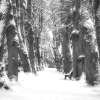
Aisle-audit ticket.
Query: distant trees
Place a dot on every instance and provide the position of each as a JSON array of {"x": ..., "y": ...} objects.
[{"x": 61, "y": 23}]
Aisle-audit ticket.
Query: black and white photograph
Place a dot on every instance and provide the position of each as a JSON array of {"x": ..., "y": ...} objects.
[{"x": 49, "y": 49}]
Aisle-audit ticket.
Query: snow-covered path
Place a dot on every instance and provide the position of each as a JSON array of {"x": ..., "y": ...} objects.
[{"x": 49, "y": 85}]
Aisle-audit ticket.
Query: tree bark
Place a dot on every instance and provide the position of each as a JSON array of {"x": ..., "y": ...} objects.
[
  {"x": 31, "y": 49},
  {"x": 67, "y": 57},
  {"x": 12, "y": 52},
  {"x": 76, "y": 40}
]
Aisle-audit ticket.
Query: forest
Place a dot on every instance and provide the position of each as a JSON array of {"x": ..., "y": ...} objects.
[{"x": 55, "y": 34}]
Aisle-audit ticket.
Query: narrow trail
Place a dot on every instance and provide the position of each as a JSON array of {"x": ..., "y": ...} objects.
[{"x": 49, "y": 85}]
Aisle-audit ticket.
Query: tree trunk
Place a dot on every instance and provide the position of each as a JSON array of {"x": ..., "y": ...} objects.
[
  {"x": 22, "y": 53},
  {"x": 38, "y": 52},
  {"x": 91, "y": 50},
  {"x": 10, "y": 34},
  {"x": 75, "y": 36},
  {"x": 12, "y": 52},
  {"x": 91, "y": 68},
  {"x": 31, "y": 49},
  {"x": 25, "y": 60},
  {"x": 97, "y": 20},
  {"x": 67, "y": 57}
]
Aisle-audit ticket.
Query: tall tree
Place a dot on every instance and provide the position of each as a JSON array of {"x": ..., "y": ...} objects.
[
  {"x": 88, "y": 37},
  {"x": 19, "y": 8}
]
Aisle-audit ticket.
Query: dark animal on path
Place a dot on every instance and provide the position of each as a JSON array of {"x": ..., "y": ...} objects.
[
  {"x": 69, "y": 75},
  {"x": 5, "y": 86}
]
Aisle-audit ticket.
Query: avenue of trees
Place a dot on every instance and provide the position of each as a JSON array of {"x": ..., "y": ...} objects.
[{"x": 76, "y": 41}]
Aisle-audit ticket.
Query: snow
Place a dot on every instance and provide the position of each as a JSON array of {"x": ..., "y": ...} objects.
[{"x": 49, "y": 85}]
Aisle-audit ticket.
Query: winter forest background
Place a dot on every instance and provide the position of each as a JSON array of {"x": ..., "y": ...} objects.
[{"x": 49, "y": 49}]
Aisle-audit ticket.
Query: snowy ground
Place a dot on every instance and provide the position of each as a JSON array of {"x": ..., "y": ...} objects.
[{"x": 49, "y": 85}]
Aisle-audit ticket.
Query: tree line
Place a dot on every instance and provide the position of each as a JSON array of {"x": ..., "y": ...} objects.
[
  {"x": 21, "y": 25},
  {"x": 76, "y": 23}
]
